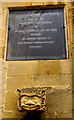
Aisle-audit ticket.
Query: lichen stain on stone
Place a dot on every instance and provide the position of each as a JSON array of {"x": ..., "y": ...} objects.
[{"x": 48, "y": 67}]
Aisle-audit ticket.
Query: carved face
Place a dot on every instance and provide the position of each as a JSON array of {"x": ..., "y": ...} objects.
[
  {"x": 31, "y": 99},
  {"x": 31, "y": 102}
]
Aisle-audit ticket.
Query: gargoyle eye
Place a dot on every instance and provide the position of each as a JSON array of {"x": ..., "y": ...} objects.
[
  {"x": 24, "y": 97},
  {"x": 35, "y": 97}
]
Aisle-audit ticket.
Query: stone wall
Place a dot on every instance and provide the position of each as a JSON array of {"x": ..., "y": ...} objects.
[
  {"x": 55, "y": 76},
  {"x": 73, "y": 58}
]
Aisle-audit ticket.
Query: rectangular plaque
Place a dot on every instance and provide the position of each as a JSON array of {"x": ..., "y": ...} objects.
[{"x": 37, "y": 34}]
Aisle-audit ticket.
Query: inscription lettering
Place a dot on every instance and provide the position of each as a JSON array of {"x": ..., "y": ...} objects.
[{"x": 36, "y": 35}]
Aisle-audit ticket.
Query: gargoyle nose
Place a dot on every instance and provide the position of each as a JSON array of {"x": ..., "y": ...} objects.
[{"x": 30, "y": 102}]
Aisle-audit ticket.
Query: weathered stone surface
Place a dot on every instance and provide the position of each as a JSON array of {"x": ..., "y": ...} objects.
[
  {"x": 0, "y": 21},
  {"x": 60, "y": 100},
  {"x": 48, "y": 67},
  {"x": 11, "y": 101},
  {"x": 73, "y": 82},
  {"x": 0, "y": 95},
  {"x": 24, "y": 68},
  {"x": 0, "y": 78},
  {"x": 1, "y": 98},
  {"x": 73, "y": 68},
  {"x": 2, "y": 48},
  {"x": 39, "y": 68},
  {"x": 73, "y": 51},
  {"x": 65, "y": 114},
  {"x": 4, "y": 20},
  {"x": 73, "y": 114},
  {"x": 1, "y": 65},
  {"x": 58, "y": 114},
  {"x": 12, "y": 114},
  {"x": 58, "y": 103},
  {"x": 73, "y": 100},
  {"x": 73, "y": 74},
  {"x": 66, "y": 67},
  {"x": 49, "y": 80},
  {"x": 51, "y": 115},
  {"x": 0, "y": 36},
  {"x": 0, "y": 52},
  {"x": 54, "y": 67},
  {"x": 28, "y": 3},
  {"x": 18, "y": 82},
  {"x": 0, "y": 114},
  {"x": 3, "y": 37},
  {"x": 3, "y": 16}
]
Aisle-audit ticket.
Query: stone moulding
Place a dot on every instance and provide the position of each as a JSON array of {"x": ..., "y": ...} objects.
[{"x": 31, "y": 99}]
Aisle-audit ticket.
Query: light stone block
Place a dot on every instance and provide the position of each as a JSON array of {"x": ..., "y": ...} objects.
[
  {"x": 19, "y": 68},
  {"x": 49, "y": 81},
  {"x": 19, "y": 82}
]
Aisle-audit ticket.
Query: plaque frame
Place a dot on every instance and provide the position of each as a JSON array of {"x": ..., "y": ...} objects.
[{"x": 41, "y": 6}]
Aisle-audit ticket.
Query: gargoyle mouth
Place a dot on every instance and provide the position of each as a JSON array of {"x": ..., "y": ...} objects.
[{"x": 28, "y": 107}]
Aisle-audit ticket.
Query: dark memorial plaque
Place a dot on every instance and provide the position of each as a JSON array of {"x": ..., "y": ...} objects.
[{"x": 36, "y": 35}]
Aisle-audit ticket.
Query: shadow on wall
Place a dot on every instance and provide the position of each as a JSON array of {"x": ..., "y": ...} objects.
[{"x": 35, "y": 115}]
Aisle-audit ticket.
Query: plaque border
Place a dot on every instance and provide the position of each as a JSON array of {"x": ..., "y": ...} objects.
[{"x": 38, "y": 6}]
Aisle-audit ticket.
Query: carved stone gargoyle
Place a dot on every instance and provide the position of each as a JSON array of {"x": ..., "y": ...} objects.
[{"x": 31, "y": 99}]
